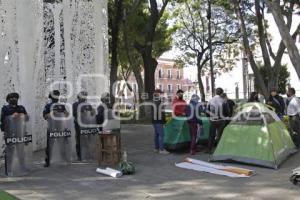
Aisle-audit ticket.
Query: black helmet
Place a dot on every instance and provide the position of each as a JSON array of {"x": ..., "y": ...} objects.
[
  {"x": 82, "y": 95},
  {"x": 54, "y": 95},
  {"x": 12, "y": 95}
]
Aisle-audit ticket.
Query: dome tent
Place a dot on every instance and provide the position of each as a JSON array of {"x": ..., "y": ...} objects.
[{"x": 255, "y": 136}]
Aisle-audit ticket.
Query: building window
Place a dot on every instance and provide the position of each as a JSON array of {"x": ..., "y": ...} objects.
[
  {"x": 178, "y": 87},
  {"x": 160, "y": 73},
  {"x": 178, "y": 74},
  {"x": 170, "y": 89},
  {"x": 160, "y": 86},
  {"x": 169, "y": 73}
]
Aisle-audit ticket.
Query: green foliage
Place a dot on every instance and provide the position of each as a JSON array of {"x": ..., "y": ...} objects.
[
  {"x": 191, "y": 36},
  {"x": 134, "y": 28}
]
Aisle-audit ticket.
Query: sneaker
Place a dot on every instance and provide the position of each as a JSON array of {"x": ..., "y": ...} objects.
[
  {"x": 164, "y": 152},
  {"x": 155, "y": 150}
]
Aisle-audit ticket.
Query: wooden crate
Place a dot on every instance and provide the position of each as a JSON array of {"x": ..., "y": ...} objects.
[{"x": 108, "y": 149}]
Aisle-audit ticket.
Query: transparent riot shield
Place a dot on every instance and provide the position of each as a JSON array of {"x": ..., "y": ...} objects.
[
  {"x": 18, "y": 146},
  {"x": 111, "y": 124},
  {"x": 88, "y": 135},
  {"x": 59, "y": 139}
]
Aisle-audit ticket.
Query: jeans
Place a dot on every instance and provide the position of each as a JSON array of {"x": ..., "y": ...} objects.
[
  {"x": 158, "y": 136},
  {"x": 215, "y": 133},
  {"x": 193, "y": 132}
]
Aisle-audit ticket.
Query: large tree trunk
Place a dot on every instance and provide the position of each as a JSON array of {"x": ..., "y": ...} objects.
[
  {"x": 285, "y": 34},
  {"x": 115, "y": 27},
  {"x": 248, "y": 51},
  {"x": 201, "y": 86},
  {"x": 150, "y": 65}
]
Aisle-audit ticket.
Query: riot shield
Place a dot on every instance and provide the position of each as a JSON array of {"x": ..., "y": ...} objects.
[
  {"x": 59, "y": 139},
  {"x": 18, "y": 146},
  {"x": 111, "y": 124},
  {"x": 88, "y": 135}
]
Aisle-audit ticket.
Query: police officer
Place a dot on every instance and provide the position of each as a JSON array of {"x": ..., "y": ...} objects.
[
  {"x": 14, "y": 110},
  {"x": 80, "y": 106},
  {"x": 50, "y": 108}
]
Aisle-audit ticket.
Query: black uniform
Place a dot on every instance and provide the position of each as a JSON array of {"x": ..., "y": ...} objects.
[
  {"x": 51, "y": 107},
  {"x": 9, "y": 110},
  {"x": 83, "y": 107},
  {"x": 6, "y": 111}
]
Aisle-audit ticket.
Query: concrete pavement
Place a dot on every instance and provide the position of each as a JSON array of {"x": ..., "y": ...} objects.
[{"x": 156, "y": 178}]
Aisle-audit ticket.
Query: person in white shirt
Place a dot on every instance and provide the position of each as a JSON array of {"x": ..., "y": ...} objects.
[
  {"x": 217, "y": 119},
  {"x": 293, "y": 111}
]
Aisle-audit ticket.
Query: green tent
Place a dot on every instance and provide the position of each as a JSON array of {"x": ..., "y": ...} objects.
[
  {"x": 176, "y": 134},
  {"x": 255, "y": 136},
  {"x": 204, "y": 135}
]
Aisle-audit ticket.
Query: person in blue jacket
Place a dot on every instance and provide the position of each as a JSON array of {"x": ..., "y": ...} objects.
[{"x": 193, "y": 112}]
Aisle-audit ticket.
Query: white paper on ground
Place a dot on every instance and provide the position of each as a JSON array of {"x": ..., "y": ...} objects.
[
  {"x": 201, "y": 168},
  {"x": 109, "y": 172},
  {"x": 206, "y": 164}
]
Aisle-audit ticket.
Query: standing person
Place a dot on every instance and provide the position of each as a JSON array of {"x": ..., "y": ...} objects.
[
  {"x": 179, "y": 104},
  {"x": 228, "y": 108},
  {"x": 158, "y": 120},
  {"x": 277, "y": 102},
  {"x": 293, "y": 111},
  {"x": 253, "y": 98},
  {"x": 103, "y": 109},
  {"x": 217, "y": 122},
  {"x": 80, "y": 106},
  {"x": 12, "y": 109},
  {"x": 16, "y": 111},
  {"x": 49, "y": 109},
  {"x": 193, "y": 112}
]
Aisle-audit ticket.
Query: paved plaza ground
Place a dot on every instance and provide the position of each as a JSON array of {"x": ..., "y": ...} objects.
[{"x": 156, "y": 178}]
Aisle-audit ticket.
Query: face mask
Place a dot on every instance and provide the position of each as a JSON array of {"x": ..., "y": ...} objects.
[{"x": 13, "y": 102}]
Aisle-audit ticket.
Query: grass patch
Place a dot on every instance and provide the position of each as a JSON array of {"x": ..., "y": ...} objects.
[{"x": 7, "y": 196}]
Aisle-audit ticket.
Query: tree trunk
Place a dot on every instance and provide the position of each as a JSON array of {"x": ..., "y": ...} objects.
[
  {"x": 150, "y": 65},
  {"x": 201, "y": 86},
  {"x": 248, "y": 51},
  {"x": 140, "y": 83},
  {"x": 115, "y": 27},
  {"x": 286, "y": 37}
]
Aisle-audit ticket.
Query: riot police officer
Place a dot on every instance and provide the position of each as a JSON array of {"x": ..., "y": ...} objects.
[
  {"x": 11, "y": 129},
  {"x": 12, "y": 108},
  {"x": 80, "y": 106},
  {"x": 50, "y": 108}
]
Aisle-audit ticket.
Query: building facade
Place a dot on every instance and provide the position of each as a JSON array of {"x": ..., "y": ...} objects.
[{"x": 169, "y": 78}]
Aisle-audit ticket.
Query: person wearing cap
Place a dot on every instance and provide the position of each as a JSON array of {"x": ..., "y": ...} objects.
[
  {"x": 52, "y": 106},
  {"x": 80, "y": 105},
  {"x": 293, "y": 111},
  {"x": 193, "y": 113},
  {"x": 158, "y": 121},
  {"x": 179, "y": 104},
  {"x": 277, "y": 102},
  {"x": 12, "y": 108}
]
